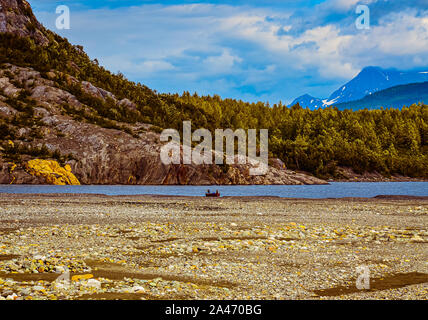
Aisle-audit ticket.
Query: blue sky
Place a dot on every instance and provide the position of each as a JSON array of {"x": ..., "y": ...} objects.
[{"x": 251, "y": 50}]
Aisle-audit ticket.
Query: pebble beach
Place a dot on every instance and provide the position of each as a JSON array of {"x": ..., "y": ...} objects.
[{"x": 152, "y": 247}]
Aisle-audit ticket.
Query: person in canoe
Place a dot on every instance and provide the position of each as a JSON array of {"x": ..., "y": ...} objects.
[{"x": 209, "y": 194}]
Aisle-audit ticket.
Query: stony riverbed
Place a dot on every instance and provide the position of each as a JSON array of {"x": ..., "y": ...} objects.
[{"x": 143, "y": 247}]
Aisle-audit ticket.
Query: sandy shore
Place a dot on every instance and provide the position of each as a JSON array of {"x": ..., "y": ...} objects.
[{"x": 151, "y": 247}]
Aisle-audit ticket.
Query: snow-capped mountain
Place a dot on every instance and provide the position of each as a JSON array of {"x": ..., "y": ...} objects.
[
  {"x": 394, "y": 97},
  {"x": 308, "y": 101},
  {"x": 373, "y": 79},
  {"x": 367, "y": 82}
]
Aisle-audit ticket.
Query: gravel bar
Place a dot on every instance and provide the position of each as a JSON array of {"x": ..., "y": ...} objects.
[{"x": 152, "y": 247}]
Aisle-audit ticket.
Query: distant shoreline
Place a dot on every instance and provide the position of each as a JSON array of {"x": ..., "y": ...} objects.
[
  {"x": 242, "y": 185},
  {"x": 145, "y": 196},
  {"x": 406, "y": 179}
]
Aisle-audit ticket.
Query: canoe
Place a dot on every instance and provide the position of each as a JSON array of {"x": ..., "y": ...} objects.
[{"x": 212, "y": 194}]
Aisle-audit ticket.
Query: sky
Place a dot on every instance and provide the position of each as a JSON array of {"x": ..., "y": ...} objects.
[{"x": 270, "y": 51}]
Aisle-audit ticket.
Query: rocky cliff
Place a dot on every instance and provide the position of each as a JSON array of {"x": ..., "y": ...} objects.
[
  {"x": 16, "y": 17},
  {"x": 52, "y": 116}
]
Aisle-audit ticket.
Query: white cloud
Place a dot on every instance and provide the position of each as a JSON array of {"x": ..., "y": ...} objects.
[
  {"x": 188, "y": 47},
  {"x": 400, "y": 41},
  {"x": 155, "y": 66},
  {"x": 344, "y": 5},
  {"x": 222, "y": 63},
  {"x": 144, "y": 68}
]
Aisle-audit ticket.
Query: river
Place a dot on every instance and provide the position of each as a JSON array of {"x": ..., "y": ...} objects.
[{"x": 333, "y": 190}]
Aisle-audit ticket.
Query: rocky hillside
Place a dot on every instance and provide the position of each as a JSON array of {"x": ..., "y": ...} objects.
[
  {"x": 16, "y": 17},
  {"x": 57, "y": 128},
  {"x": 36, "y": 123}
]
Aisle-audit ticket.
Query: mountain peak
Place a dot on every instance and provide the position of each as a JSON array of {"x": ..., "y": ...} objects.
[
  {"x": 370, "y": 80},
  {"x": 373, "y": 79},
  {"x": 308, "y": 101},
  {"x": 306, "y": 96},
  {"x": 16, "y": 16},
  {"x": 371, "y": 68},
  {"x": 371, "y": 71}
]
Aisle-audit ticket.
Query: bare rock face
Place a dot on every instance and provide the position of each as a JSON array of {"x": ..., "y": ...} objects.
[
  {"x": 7, "y": 88},
  {"x": 97, "y": 92},
  {"x": 54, "y": 96},
  {"x": 17, "y": 17},
  {"x": 18, "y": 176},
  {"x": 128, "y": 104},
  {"x": 6, "y": 111},
  {"x": 109, "y": 156}
]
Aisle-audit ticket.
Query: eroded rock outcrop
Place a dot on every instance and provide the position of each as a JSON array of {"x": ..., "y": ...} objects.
[
  {"x": 52, "y": 172},
  {"x": 16, "y": 17}
]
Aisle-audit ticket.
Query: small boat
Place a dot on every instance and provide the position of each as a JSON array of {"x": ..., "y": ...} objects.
[{"x": 210, "y": 194}]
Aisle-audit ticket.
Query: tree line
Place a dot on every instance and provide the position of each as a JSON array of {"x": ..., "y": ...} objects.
[{"x": 389, "y": 141}]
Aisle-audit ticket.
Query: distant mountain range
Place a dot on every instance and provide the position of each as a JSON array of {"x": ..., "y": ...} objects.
[
  {"x": 368, "y": 82},
  {"x": 395, "y": 97}
]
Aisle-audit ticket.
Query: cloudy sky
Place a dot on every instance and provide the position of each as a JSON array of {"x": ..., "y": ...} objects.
[{"x": 252, "y": 50}]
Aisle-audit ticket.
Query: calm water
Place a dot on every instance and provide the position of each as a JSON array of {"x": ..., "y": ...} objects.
[{"x": 334, "y": 190}]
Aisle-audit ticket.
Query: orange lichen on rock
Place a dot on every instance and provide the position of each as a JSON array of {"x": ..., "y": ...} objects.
[
  {"x": 82, "y": 277},
  {"x": 52, "y": 172},
  {"x": 12, "y": 167}
]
